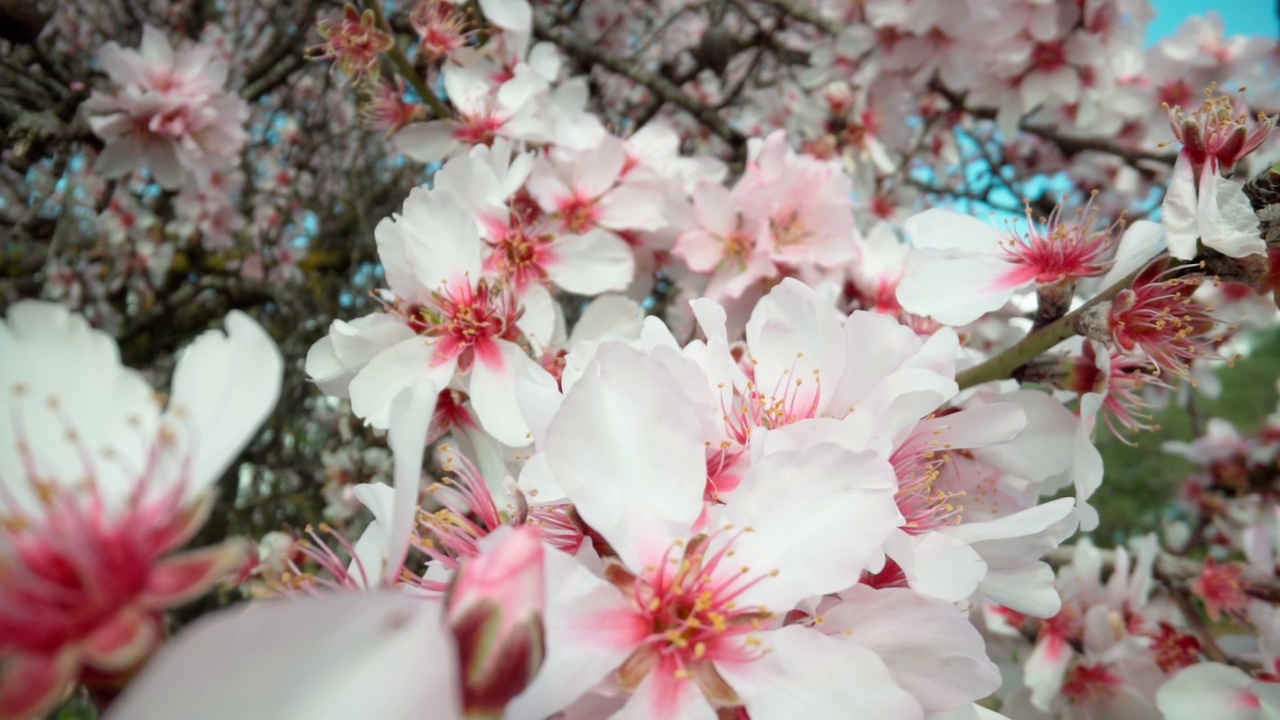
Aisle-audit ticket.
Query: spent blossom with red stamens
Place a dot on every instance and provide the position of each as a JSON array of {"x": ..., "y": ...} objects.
[
  {"x": 1220, "y": 588},
  {"x": 1159, "y": 316},
  {"x": 1219, "y": 132},
  {"x": 441, "y": 26},
  {"x": 353, "y": 42}
]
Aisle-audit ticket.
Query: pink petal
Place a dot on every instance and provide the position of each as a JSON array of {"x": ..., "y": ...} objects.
[
  {"x": 30, "y": 684},
  {"x": 183, "y": 577},
  {"x": 124, "y": 641}
]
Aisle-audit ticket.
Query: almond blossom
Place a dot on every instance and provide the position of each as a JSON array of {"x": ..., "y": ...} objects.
[
  {"x": 959, "y": 251},
  {"x": 169, "y": 112},
  {"x": 445, "y": 322},
  {"x": 102, "y": 486}
]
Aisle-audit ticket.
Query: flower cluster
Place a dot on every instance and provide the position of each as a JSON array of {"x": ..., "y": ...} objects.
[{"x": 721, "y": 382}]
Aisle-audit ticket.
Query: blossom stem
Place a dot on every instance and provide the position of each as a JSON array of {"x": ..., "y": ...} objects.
[
  {"x": 1037, "y": 341},
  {"x": 405, "y": 67}
]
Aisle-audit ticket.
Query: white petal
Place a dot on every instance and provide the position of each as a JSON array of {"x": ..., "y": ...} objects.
[
  {"x": 1046, "y": 668},
  {"x": 955, "y": 291},
  {"x": 929, "y": 646},
  {"x": 626, "y": 449},
  {"x": 946, "y": 230},
  {"x": 629, "y": 207},
  {"x": 1178, "y": 211},
  {"x": 493, "y": 394},
  {"x": 591, "y": 264},
  {"x": 608, "y": 316},
  {"x": 1045, "y": 448},
  {"x": 410, "y": 416},
  {"x": 937, "y": 565},
  {"x": 806, "y": 674},
  {"x": 223, "y": 388},
  {"x": 816, "y": 516},
  {"x": 1227, "y": 221},
  {"x": 391, "y": 371},
  {"x": 325, "y": 370},
  {"x": 49, "y": 352},
  {"x": 1208, "y": 690},
  {"x": 508, "y": 14},
  {"x": 796, "y": 343},
  {"x": 427, "y": 142},
  {"x": 1139, "y": 245},
  {"x": 360, "y": 340},
  {"x": 442, "y": 241},
  {"x": 378, "y": 655}
]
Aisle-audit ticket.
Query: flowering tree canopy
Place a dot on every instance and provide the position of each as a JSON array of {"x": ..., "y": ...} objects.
[{"x": 639, "y": 359}]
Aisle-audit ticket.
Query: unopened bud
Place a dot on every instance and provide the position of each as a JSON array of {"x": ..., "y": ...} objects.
[{"x": 495, "y": 610}]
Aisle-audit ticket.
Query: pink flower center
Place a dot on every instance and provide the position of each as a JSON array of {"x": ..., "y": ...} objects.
[
  {"x": 466, "y": 322},
  {"x": 1063, "y": 250},
  {"x": 688, "y": 605},
  {"x": 69, "y": 564},
  {"x": 1090, "y": 683},
  {"x": 578, "y": 213},
  {"x": 479, "y": 129}
]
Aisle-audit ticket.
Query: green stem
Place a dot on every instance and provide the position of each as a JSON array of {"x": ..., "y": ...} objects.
[
  {"x": 1037, "y": 341},
  {"x": 405, "y": 67}
]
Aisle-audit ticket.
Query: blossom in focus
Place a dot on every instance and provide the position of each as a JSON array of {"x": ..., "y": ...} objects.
[
  {"x": 445, "y": 321},
  {"x": 168, "y": 111},
  {"x": 101, "y": 485}
]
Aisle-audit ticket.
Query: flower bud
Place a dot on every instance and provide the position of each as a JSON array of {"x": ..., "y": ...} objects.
[{"x": 495, "y": 611}]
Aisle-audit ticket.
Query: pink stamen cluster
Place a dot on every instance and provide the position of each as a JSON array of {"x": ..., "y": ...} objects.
[
  {"x": 466, "y": 320},
  {"x": 689, "y": 615},
  {"x": 1062, "y": 250},
  {"x": 1163, "y": 320},
  {"x": 918, "y": 463},
  {"x": 384, "y": 107}
]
